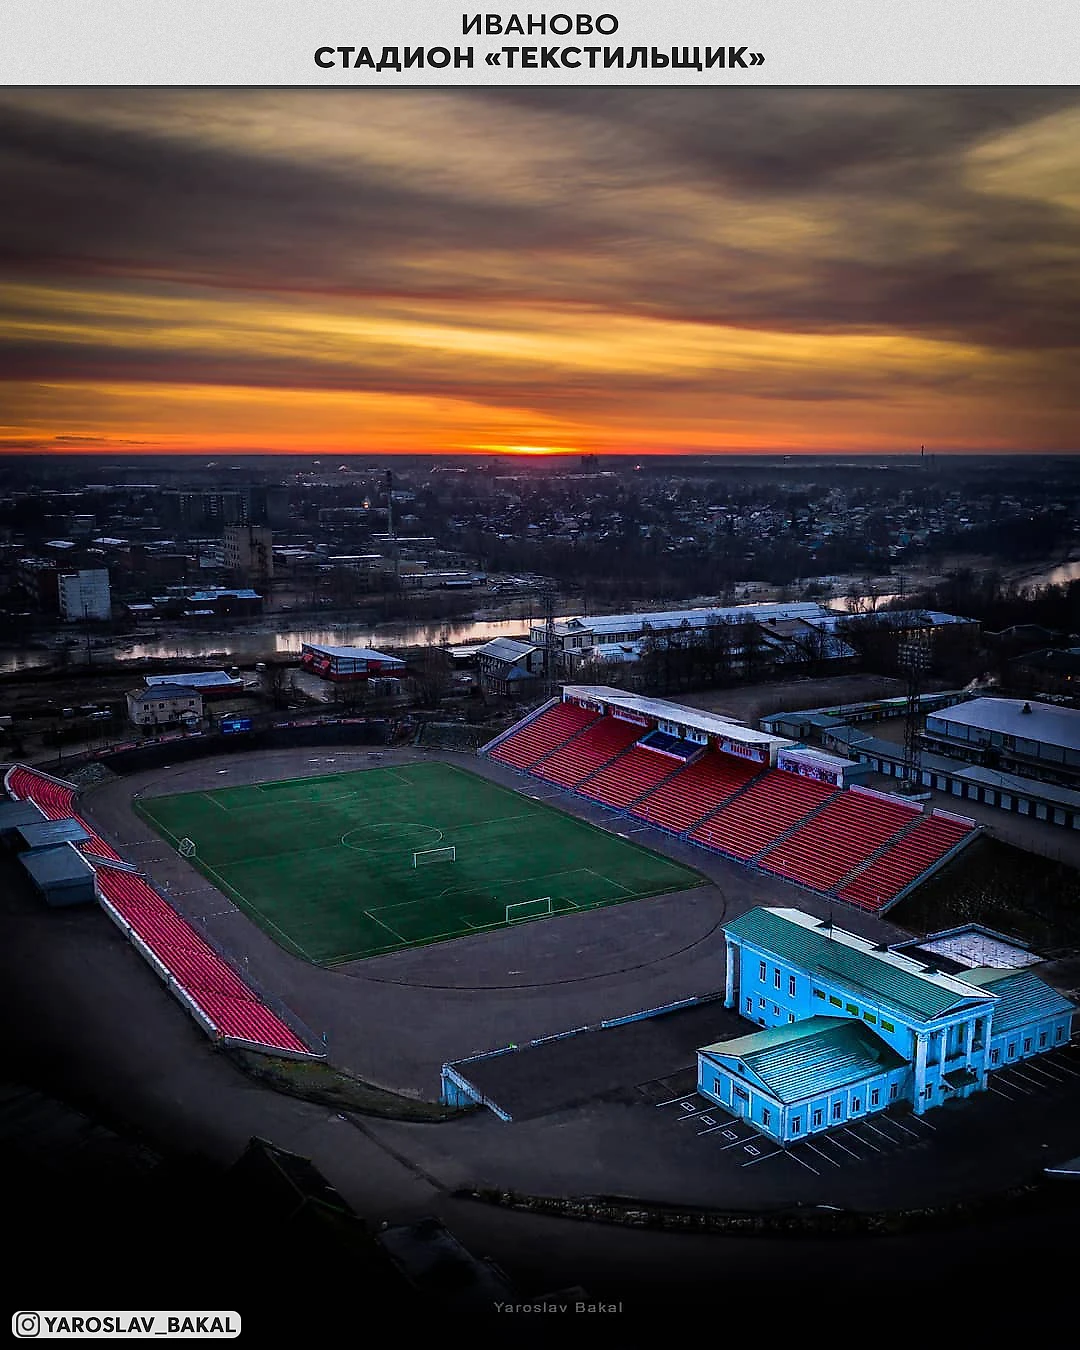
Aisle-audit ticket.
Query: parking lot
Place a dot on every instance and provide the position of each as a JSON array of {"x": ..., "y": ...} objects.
[{"x": 730, "y": 1140}]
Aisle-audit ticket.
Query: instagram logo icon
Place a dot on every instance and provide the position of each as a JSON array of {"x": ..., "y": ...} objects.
[{"x": 25, "y": 1324}]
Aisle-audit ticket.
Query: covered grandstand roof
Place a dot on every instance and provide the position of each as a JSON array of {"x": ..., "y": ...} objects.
[
  {"x": 14, "y": 814},
  {"x": 56, "y": 866},
  {"x": 45, "y": 833},
  {"x": 691, "y": 618},
  {"x": 672, "y": 712},
  {"x": 1048, "y": 723},
  {"x": 888, "y": 976},
  {"x": 1022, "y": 997},
  {"x": 810, "y": 1057}
]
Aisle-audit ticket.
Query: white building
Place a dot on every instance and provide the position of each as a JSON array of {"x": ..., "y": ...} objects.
[
  {"x": 160, "y": 706},
  {"x": 85, "y": 595},
  {"x": 248, "y": 551}
]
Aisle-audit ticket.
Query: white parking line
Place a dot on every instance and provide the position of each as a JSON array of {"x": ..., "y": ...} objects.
[
  {"x": 914, "y": 1133},
  {"x": 1027, "y": 1092},
  {"x": 881, "y": 1133},
  {"x": 795, "y": 1158},
  {"x": 1044, "y": 1072},
  {"x": 831, "y": 1139},
  {"x": 861, "y": 1140},
  {"x": 711, "y": 1130},
  {"x": 998, "y": 1092},
  {"x": 921, "y": 1120},
  {"x": 765, "y": 1157},
  {"x": 822, "y": 1155},
  {"x": 672, "y": 1100},
  {"x": 737, "y": 1142},
  {"x": 693, "y": 1115},
  {"x": 1064, "y": 1068}
]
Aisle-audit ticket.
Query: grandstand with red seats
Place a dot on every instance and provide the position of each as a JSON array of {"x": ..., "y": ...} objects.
[
  {"x": 223, "y": 1003},
  {"x": 761, "y": 799},
  {"x": 844, "y": 835}
]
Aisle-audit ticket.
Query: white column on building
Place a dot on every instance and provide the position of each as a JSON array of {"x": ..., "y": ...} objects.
[
  {"x": 969, "y": 1041},
  {"x": 920, "y": 1074},
  {"x": 729, "y": 983}
]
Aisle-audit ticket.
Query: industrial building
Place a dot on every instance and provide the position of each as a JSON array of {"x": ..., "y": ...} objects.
[
  {"x": 209, "y": 683},
  {"x": 348, "y": 663},
  {"x": 510, "y": 667},
  {"x": 1012, "y": 734},
  {"x": 850, "y": 1027}
]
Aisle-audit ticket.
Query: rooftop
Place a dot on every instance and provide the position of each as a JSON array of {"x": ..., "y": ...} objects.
[
  {"x": 888, "y": 977},
  {"x": 673, "y": 712},
  {"x": 54, "y": 866},
  {"x": 506, "y": 649},
  {"x": 811, "y": 1057},
  {"x": 352, "y": 653},
  {"x": 1046, "y": 722},
  {"x": 207, "y": 679},
  {"x": 1023, "y": 997}
]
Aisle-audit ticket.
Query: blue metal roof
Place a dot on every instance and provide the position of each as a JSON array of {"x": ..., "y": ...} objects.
[
  {"x": 56, "y": 866},
  {"x": 14, "y": 814},
  {"x": 1022, "y": 997},
  {"x": 890, "y": 977},
  {"x": 47, "y": 833},
  {"x": 806, "y": 1059}
]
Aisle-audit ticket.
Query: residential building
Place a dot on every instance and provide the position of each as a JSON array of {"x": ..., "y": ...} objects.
[
  {"x": 248, "y": 552},
  {"x": 160, "y": 706},
  {"x": 84, "y": 595},
  {"x": 510, "y": 667}
]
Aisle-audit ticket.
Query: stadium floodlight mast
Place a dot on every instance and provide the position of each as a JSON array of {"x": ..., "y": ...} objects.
[{"x": 434, "y": 855}]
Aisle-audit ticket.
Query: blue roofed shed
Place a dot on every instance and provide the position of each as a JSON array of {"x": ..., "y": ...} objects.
[
  {"x": 60, "y": 874},
  {"x": 49, "y": 833}
]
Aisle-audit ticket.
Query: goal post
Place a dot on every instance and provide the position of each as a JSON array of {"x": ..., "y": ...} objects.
[
  {"x": 434, "y": 855},
  {"x": 529, "y": 909},
  {"x": 186, "y": 848}
]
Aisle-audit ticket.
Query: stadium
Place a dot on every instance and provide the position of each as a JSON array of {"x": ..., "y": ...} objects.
[{"x": 574, "y": 874}]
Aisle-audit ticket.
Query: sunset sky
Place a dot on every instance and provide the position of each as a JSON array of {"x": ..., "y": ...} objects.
[{"x": 610, "y": 270}]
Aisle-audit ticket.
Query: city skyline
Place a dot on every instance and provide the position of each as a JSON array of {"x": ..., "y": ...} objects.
[{"x": 486, "y": 271}]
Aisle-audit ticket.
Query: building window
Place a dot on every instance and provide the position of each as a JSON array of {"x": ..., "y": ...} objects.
[
  {"x": 749, "y": 1005},
  {"x": 817, "y": 1119},
  {"x": 796, "y": 1125},
  {"x": 819, "y": 993},
  {"x": 1027, "y": 1045},
  {"x": 740, "y": 1092},
  {"x": 836, "y": 1002},
  {"x": 869, "y": 1017},
  {"x": 1012, "y": 1050},
  {"x": 875, "y": 1097},
  {"x": 776, "y": 979},
  {"x": 851, "y": 1008},
  {"x": 1042, "y": 1039},
  {"x": 766, "y": 1117},
  {"x": 892, "y": 1092},
  {"x": 775, "y": 1010},
  {"x": 887, "y": 1026},
  {"x": 929, "y": 1090},
  {"x": 856, "y": 1104},
  {"x": 994, "y": 1056},
  {"x": 791, "y": 986},
  {"x": 716, "y": 1087},
  {"x": 760, "y": 1002},
  {"x": 791, "y": 1017},
  {"x": 1059, "y": 1035},
  {"x": 761, "y": 972},
  {"x": 837, "y": 1110}
]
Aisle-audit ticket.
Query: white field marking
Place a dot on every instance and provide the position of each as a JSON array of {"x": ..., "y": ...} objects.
[
  {"x": 765, "y": 1158},
  {"x": 214, "y": 802},
  {"x": 859, "y": 1139},
  {"x": 513, "y": 880},
  {"x": 386, "y": 824},
  {"x": 601, "y": 876},
  {"x": 795, "y": 1158},
  {"x": 375, "y": 919},
  {"x": 243, "y": 906},
  {"x": 830, "y": 1139},
  {"x": 820, "y": 1154},
  {"x": 672, "y": 1100}
]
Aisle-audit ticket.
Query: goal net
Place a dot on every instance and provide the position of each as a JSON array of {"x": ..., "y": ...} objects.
[
  {"x": 434, "y": 855},
  {"x": 529, "y": 909},
  {"x": 186, "y": 848}
]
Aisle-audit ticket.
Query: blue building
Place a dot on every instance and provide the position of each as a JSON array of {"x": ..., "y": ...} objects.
[{"x": 850, "y": 1027}]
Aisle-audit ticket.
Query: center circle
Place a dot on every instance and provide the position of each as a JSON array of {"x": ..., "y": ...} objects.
[{"x": 383, "y": 836}]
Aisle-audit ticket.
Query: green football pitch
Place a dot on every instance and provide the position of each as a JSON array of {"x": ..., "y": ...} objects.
[{"x": 328, "y": 866}]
